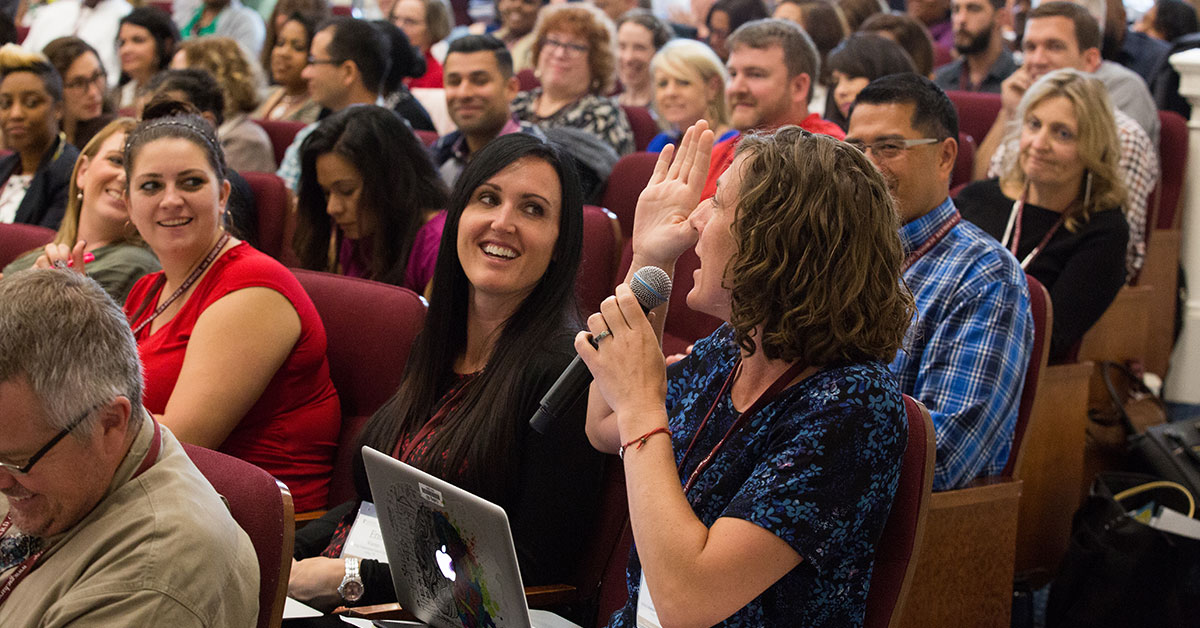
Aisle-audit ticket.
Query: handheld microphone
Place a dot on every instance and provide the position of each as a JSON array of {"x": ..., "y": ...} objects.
[{"x": 652, "y": 287}]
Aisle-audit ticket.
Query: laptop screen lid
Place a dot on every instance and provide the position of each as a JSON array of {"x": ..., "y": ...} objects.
[{"x": 450, "y": 552}]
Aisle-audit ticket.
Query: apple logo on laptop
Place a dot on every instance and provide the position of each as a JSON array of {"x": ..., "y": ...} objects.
[{"x": 445, "y": 563}]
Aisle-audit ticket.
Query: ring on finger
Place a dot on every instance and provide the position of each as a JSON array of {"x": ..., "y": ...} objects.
[
  {"x": 59, "y": 264},
  {"x": 602, "y": 335}
]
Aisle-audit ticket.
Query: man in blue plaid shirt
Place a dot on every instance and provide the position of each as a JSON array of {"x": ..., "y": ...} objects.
[{"x": 967, "y": 351}]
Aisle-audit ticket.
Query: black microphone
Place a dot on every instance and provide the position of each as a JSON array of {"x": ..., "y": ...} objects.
[{"x": 652, "y": 287}]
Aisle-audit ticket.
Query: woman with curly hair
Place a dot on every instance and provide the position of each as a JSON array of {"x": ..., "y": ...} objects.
[
  {"x": 762, "y": 466},
  {"x": 247, "y": 146},
  {"x": 573, "y": 54},
  {"x": 1057, "y": 206}
]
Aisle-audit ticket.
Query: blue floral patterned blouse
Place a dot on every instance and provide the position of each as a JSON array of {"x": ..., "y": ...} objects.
[{"x": 818, "y": 466}]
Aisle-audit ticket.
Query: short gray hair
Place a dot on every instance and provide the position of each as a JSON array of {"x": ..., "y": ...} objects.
[
  {"x": 72, "y": 344},
  {"x": 799, "y": 53}
]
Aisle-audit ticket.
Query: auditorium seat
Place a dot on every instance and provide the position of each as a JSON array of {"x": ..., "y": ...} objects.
[
  {"x": 281, "y": 132},
  {"x": 262, "y": 506},
  {"x": 369, "y": 327},
  {"x": 900, "y": 543},
  {"x": 643, "y": 124},
  {"x": 528, "y": 80},
  {"x": 629, "y": 177},
  {"x": 963, "y": 164},
  {"x": 16, "y": 239},
  {"x": 601, "y": 254},
  {"x": 965, "y": 571},
  {"x": 977, "y": 112},
  {"x": 427, "y": 137},
  {"x": 271, "y": 202}
]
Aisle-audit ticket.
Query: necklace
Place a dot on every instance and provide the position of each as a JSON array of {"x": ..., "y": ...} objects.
[{"x": 183, "y": 287}]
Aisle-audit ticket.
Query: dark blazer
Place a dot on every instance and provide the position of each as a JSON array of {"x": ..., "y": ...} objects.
[{"x": 46, "y": 200}]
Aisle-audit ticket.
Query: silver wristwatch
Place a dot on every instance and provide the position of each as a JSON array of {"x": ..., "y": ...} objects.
[{"x": 351, "y": 588}]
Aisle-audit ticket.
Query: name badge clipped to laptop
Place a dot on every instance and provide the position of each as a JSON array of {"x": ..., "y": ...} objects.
[
  {"x": 365, "y": 539},
  {"x": 647, "y": 616}
]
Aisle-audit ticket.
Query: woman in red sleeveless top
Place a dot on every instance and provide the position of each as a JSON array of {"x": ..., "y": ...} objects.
[{"x": 233, "y": 348}]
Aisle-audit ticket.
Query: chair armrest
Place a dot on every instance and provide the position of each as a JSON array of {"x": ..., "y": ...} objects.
[
  {"x": 375, "y": 611},
  {"x": 550, "y": 595}
]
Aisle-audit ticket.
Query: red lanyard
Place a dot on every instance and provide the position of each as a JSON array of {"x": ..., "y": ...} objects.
[
  {"x": 27, "y": 566},
  {"x": 1014, "y": 230},
  {"x": 932, "y": 240},
  {"x": 768, "y": 395}
]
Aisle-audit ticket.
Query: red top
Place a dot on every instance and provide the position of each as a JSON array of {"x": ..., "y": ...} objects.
[
  {"x": 722, "y": 154},
  {"x": 432, "y": 76},
  {"x": 292, "y": 430}
]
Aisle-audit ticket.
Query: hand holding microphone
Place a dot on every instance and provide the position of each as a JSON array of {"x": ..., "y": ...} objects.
[{"x": 652, "y": 287}]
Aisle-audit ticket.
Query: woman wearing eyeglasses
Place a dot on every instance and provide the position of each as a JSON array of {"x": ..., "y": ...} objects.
[
  {"x": 86, "y": 108},
  {"x": 573, "y": 49},
  {"x": 1057, "y": 206}
]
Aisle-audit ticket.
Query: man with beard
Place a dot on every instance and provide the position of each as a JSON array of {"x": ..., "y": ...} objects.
[
  {"x": 772, "y": 64},
  {"x": 984, "y": 61},
  {"x": 968, "y": 348}
]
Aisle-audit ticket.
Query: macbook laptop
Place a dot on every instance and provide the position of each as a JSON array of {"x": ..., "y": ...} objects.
[{"x": 450, "y": 552}]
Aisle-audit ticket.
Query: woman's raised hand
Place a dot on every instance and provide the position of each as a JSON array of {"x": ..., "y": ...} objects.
[
  {"x": 59, "y": 256},
  {"x": 661, "y": 231}
]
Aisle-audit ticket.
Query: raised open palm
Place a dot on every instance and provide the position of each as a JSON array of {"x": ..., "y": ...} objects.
[{"x": 661, "y": 231}]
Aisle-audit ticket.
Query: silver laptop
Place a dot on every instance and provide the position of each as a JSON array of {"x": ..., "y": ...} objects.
[{"x": 450, "y": 553}]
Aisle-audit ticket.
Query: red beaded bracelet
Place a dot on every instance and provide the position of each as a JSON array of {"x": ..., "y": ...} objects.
[{"x": 641, "y": 440}]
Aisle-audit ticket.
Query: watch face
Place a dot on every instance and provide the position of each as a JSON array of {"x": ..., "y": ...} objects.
[{"x": 351, "y": 590}]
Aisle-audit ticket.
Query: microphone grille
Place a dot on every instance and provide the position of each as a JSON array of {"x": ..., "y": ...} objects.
[{"x": 651, "y": 286}]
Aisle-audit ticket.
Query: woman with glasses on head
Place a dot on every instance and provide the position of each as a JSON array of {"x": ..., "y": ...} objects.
[
  {"x": 97, "y": 221},
  {"x": 37, "y": 173},
  {"x": 1057, "y": 205},
  {"x": 573, "y": 49},
  {"x": 86, "y": 108}
]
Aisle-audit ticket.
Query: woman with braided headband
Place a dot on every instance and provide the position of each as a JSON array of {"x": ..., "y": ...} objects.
[{"x": 233, "y": 348}]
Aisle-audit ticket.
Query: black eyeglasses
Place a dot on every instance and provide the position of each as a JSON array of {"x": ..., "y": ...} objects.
[
  {"x": 24, "y": 470},
  {"x": 315, "y": 61}
]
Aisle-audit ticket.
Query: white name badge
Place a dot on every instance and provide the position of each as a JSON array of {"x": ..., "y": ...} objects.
[
  {"x": 647, "y": 617},
  {"x": 365, "y": 539}
]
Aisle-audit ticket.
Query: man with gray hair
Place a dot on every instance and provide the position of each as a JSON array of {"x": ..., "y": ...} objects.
[
  {"x": 772, "y": 65},
  {"x": 105, "y": 520}
]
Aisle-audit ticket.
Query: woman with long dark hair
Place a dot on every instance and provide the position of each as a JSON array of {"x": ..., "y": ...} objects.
[
  {"x": 497, "y": 334},
  {"x": 369, "y": 200}
]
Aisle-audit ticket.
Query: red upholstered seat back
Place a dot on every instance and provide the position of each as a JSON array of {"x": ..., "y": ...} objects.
[
  {"x": 263, "y": 508},
  {"x": 976, "y": 112},
  {"x": 1043, "y": 321},
  {"x": 965, "y": 161},
  {"x": 643, "y": 125},
  {"x": 1172, "y": 156},
  {"x": 895, "y": 554},
  {"x": 18, "y": 239},
  {"x": 281, "y": 132},
  {"x": 369, "y": 328},
  {"x": 271, "y": 201},
  {"x": 528, "y": 80},
  {"x": 600, "y": 256},
  {"x": 629, "y": 177}
]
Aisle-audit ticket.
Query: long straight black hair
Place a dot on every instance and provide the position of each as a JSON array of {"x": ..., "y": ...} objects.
[
  {"x": 484, "y": 427},
  {"x": 399, "y": 184}
]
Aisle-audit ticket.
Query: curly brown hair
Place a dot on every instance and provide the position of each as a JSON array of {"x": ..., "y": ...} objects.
[
  {"x": 819, "y": 259},
  {"x": 228, "y": 62},
  {"x": 590, "y": 23}
]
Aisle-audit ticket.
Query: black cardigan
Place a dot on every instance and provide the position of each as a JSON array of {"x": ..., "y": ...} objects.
[
  {"x": 46, "y": 200},
  {"x": 1082, "y": 271}
]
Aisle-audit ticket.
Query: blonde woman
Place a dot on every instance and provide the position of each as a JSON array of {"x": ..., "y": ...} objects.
[
  {"x": 96, "y": 221},
  {"x": 1057, "y": 206},
  {"x": 689, "y": 85},
  {"x": 246, "y": 145}
]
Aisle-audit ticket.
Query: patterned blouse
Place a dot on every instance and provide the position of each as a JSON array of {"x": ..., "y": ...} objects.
[
  {"x": 597, "y": 115},
  {"x": 817, "y": 466}
]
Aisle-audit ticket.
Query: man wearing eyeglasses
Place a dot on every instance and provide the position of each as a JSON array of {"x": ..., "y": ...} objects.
[
  {"x": 969, "y": 346},
  {"x": 104, "y": 521}
]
